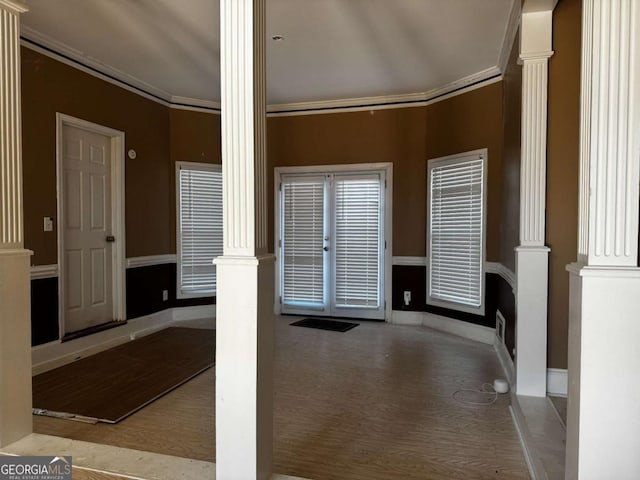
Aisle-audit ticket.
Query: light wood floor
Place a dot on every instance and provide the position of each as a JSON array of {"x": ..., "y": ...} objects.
[{"x": 371, "y": 403}]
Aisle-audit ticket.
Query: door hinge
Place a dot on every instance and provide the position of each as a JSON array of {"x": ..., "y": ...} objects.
[
  {"x": 385, "y": 244},
  {"x": 280, "y": 299},
  {"x": 280, "y": 186},
  {"x": 385, "y": 183},
  {"x": 279, "y": 243}
]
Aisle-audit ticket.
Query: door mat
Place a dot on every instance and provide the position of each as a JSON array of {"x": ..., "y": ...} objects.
[{"x": 324, "y": 324}]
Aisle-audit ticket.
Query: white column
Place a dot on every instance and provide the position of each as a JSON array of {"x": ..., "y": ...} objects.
[
  {"x": 15, "y": 310},
  {"x": 604, "y": 308},
  {"x": 532, "y": 256},
  {"x": 244, "y": 355}
]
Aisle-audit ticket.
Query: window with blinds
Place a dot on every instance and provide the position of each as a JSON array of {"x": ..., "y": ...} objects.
[
  {"x": 302, "y": 248},
  {"x": 456, "y": 232},
  {"x": 357, "y": 241},
  {"x": 199, "y": 206}
]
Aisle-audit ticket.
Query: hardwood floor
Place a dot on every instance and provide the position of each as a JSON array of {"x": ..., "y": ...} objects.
[{"x": 371, "y": 403}]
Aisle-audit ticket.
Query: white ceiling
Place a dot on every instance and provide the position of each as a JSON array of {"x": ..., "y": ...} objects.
[{"x": 332, "y": 49}]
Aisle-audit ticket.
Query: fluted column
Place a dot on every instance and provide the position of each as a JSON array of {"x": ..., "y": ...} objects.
[
  {"x": 244, "y": 351},
  {"x": 532, "y": 256},
  {"x": 604, "y": 308},
  {"x": 15, "y": 316}
]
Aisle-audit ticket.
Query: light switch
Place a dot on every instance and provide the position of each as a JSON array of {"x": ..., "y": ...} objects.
[{"x": 48, "y": 224}]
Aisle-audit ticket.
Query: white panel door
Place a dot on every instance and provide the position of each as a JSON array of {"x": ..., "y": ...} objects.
[
  {"x": 86, "y": 266},
  {"x": 332, "y": 245}
]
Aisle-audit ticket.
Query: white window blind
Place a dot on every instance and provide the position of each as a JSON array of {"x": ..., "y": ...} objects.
[
  {"x": 456, "y": 231},
  {"x": 357, "y": 241},
  {"x": 303, "y": 233},
  {"x": 199, "y": 228}
]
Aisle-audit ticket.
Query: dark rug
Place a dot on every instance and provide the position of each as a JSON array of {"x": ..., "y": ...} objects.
[
  {"x": 113, "y": 384},
  {"x": 324, "y": 324}
]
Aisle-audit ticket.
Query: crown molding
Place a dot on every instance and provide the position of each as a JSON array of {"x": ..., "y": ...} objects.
[
  {"x": 453, "y": 89},
  {"x": 63, "y": 53},
  {"x": 510, "y": 34},
  {"x": 17, "y": 6},
  {"x": 388, "y": 101},
  {"x": 188, "y": 103}
]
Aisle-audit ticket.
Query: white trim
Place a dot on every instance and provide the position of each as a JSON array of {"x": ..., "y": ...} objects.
[
  {"x": 583, "y": 270},
  {"x": 149, "y": 260},
  {"x": 557, "y": 382},
  {"x": 208, "y": 105},
  {"x": 534, "y": 464},
  {"x": 510, "y": 34},
  {"x": 192, "y": 108},
  {"x": 44, "y": 271},
  {"x": 69, "y": 55},
  {"x": 15, "y": 6},
  {"x": 459, "y": 328},
  {"x": 500, "y": 269},
  {"x": 412, "y": 261},
  {"x": 118, "y": 227},
  {"x": 387, "y": 168},
  {"x": 63, "y": 53},
  {"x": 198, "y": 312},
  {"x": 118, "y": 461},
  {"x": 365, "y": 104},
  {"x": 56, "y": 354}
]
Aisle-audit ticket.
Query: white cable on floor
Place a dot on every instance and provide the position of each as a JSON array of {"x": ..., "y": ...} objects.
[{"x": 482, "y": 391}]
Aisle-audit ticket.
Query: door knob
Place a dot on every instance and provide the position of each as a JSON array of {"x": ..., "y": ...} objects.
[
  {"x": 110, "y": 239},
  {"x": 326, "y": 249}
]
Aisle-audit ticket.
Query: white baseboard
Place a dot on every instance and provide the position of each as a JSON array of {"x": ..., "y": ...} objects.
[
  {"x": 56, "y": 354},
  {"x": 444, "y": 324},
  {"x": 194, "y": 313},
  {"x": 505, "y": 361},
  {"x": 557, "y": 382}
]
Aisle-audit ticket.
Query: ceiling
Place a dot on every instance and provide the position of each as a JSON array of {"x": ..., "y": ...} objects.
[{"x": 332, "y": 49}]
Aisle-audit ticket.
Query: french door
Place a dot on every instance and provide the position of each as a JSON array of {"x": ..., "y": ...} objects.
[{"x": 332, "y": 244}]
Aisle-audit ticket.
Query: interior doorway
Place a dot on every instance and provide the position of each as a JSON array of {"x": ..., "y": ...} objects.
[
  {"x": 90, "y": 178},
  {"x": 331, "y": 241}
]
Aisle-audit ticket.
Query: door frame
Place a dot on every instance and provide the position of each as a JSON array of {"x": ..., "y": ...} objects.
[
  {"x": 118, "y": 228},
  {"x": 387, "y": 167}
]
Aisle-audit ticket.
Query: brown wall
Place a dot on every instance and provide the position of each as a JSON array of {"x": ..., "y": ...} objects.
[
  {"x": 407, "y": 137},
  {"x": 562, "y": 170},
  {"x": 510, "y": 205},
  {"x": 49, "y": 86},
  {"x": 194, "y": 137},
  {"x": 468, "y": 122}
]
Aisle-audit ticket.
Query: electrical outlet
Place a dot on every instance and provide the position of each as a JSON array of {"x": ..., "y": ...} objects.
[
  {"x": 165, "y": 295},
  {"x": 47, "y": 224},
  {"x": 407, "y": 297}
]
